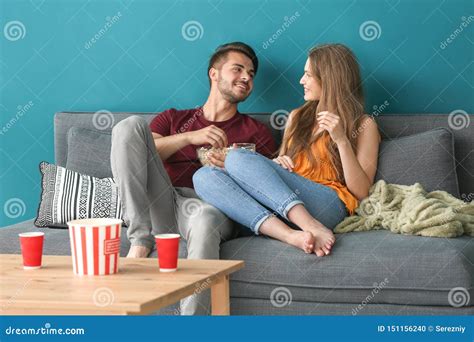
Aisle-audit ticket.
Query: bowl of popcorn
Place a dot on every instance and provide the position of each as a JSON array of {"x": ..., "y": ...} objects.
[{"x": 204, "y": 152}]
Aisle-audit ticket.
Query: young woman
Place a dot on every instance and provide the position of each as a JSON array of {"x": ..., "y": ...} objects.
[{"x": 326, "y": 164}]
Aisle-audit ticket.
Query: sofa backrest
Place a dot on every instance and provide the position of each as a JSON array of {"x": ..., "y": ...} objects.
[{"x": 391, "y": 126}]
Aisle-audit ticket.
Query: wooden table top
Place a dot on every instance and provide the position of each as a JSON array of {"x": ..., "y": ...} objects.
[{"x": 138, "y": 288}]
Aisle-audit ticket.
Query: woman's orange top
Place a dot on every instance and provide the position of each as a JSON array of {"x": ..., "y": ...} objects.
[{"x": 325, "y": 174}]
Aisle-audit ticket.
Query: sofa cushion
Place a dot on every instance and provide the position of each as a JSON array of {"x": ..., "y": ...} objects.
[
  {"x": 67, "y": 195},
  {"x": 262, "y": 307},
  {"x": 89, "y": 152},
  {"x": 375, "y": 266},
  {"x": 426, "y": 158}
]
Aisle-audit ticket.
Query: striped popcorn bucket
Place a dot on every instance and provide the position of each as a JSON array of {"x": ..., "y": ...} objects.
[{"x": 95, "y": 245}]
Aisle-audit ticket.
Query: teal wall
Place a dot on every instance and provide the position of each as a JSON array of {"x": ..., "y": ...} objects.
[{"x": 141, "y": 61}]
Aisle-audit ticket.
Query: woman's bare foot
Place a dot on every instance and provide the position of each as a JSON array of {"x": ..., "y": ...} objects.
[
  {"x": 138, "y": 252},
  {"x": 303, "y": 240},
  {"x": 324, "y": 239}
]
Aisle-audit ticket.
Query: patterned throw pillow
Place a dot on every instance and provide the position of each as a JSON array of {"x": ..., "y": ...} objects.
[{"x": 67, "y": 195}]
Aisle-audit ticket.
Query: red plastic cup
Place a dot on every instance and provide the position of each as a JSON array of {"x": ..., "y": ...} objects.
[
  {"x": 31, "y": 249},
  {"x": 167, "y": 246}
]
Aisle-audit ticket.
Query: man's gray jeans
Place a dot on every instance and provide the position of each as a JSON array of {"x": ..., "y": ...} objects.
[{"x": 151, "y": 204}]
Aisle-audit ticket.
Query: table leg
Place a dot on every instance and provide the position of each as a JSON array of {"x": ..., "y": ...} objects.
[{"x": 220, "y": 297}]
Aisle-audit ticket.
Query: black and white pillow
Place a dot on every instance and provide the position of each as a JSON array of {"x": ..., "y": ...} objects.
[{"x": 67, "y": 195}]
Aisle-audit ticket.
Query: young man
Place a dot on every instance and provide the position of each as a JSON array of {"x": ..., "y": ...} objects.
[{"x": 153, "y": 165}]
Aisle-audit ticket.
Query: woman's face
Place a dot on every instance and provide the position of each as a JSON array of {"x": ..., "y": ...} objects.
[{"x": 312, "y": 89}]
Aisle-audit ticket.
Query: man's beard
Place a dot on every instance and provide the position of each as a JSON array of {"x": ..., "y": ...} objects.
[{"x": 226, "y": 89}]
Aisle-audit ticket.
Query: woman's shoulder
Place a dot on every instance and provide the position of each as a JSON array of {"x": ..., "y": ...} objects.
[
  {"x": 369, "y": 125},
  {"x": 367, "y": 117},
  {"x": 367, "y": 120},
  {"x": 292, "y": 114}
]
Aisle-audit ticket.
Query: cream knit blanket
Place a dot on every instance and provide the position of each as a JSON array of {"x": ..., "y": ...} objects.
[{"x": 409, "y": 209}]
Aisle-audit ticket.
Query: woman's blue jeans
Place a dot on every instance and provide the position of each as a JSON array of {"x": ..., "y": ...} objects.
[{"x": 252, "y": 188}]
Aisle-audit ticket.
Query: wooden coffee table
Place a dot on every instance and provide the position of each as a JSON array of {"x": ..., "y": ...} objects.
[{"x": 139, "y": 288}]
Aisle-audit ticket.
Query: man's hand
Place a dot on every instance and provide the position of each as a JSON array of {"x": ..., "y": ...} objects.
[{"x": 210, "y": 135}]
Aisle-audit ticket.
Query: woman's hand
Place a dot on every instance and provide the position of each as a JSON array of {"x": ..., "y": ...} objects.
[
  {"x": 216, "y": 159},
  {"x": 332, "y": 123},
  {"x": 285, "y": 162}
]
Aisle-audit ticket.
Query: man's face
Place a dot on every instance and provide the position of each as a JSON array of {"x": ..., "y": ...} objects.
[{"x": 235, "y": 77}]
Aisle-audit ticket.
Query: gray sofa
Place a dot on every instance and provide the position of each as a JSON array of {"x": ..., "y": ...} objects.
[{"x": 368, "y": 273}]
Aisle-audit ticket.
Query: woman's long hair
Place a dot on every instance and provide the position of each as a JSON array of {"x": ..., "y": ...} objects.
[{"x": 337, "y": 71}]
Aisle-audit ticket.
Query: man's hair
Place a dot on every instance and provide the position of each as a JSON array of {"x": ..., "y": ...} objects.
[{"x": 222, "y": 51}]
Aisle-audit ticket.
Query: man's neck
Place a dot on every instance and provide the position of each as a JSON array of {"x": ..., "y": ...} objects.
[{"x": 218, "y": 109}]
